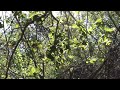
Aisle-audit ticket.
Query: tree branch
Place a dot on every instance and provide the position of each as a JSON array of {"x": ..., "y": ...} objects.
[{"x": 29, "y": 21}]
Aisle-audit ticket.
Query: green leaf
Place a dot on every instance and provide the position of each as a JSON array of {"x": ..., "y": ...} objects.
[
  {"x": 90, "y": 29},
  {"x": 102, "y": 60},
  {"x": 93, "y": 60},
  {"x": 98, "y": 20},
  {"x": 87, "y": 62},
  {"x": 75, "y": 26},
  {"x": 107, "y": 41},
  {"x": 109, "y": 29},
  {"x": 23, "y": 15},
  {"x": 40, "y": 46},
  {"x": 62, "y": 61},
  {"x": 17, "y": 25},
  {"x": 70, "y": 56},
  {"x": 32, "y": 14},
  {"x": 75, "y": 40},
  {"x": 32, "y": 71}
]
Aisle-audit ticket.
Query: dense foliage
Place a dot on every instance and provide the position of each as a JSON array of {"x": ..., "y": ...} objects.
[{"x": 62, "y": 44}]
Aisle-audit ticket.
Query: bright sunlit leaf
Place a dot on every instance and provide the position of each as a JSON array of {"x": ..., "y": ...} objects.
[
  {"x": 70, "y": 56},
  {"x": 109, "y": 29},
  {"x": 75, "y": 26},
  {"x": 32, "y": 70},
  {"x": 17, "y": 25}
]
